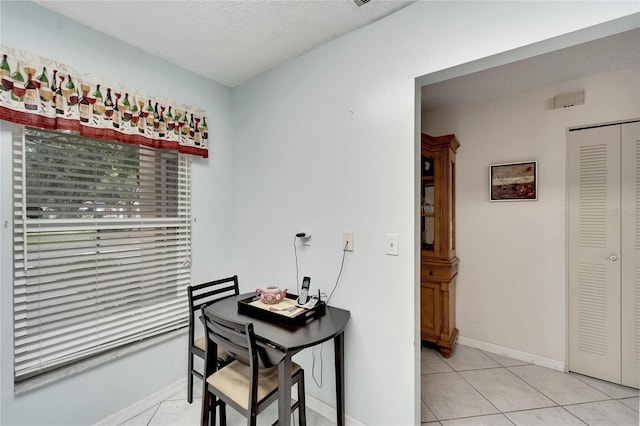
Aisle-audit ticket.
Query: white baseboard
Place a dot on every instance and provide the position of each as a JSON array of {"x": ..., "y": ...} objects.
[
  {"x": 125, "y": 414},
  {"x": 328, "y": 411},
  {"x": 513, "y": 353}
]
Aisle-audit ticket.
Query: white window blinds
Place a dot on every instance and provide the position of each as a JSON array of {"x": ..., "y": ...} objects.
[{"x": 102, "y": 246}]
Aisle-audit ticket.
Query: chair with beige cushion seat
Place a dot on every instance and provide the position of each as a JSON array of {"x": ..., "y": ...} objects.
[
  {"x": 202, "y": 295},
  {"x": 249, "y": 384}
]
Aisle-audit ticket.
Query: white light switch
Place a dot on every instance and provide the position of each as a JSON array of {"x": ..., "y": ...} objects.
[{"x": 392, "y": 244}]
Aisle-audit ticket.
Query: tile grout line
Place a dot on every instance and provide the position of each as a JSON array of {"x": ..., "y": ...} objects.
[
  {"x": 503, "y": 413},
  {"x": 480, "y": 393},
  {"x": 607, "y": 395},
  {"x": 154, "y": 413},
  {"x": 573, "y": 415},
  {"x": 561, "y": 405},
  {"x": 519, "y": 378},
  {"x": 472, "y": 387},
  {"x": 534, "y": 388},
  {"x": 578, "y": 375},
  {"x": 429, "y": 408}
]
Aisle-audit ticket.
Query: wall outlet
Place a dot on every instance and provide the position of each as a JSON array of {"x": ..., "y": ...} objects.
[{"x": 347, "y": 241}]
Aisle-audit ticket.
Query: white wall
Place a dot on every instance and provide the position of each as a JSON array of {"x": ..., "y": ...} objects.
[
  {"x": 511, "y": 283},
  {"x": 326, "y": 144},
  {"x": 88, "y": 397}
]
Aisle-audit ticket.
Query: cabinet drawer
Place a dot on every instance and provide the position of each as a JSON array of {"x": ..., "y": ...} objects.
[{"x": 436, "y": 274}]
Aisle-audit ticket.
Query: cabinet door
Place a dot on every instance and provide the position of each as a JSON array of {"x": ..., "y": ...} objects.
[
  {"x": 451, "y": 199},
  {"x": 430, "y": 310},
  {"x": 431, "y": 204}
]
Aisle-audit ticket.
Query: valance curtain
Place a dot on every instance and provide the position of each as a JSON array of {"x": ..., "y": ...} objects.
[{"x": 43, "y": 93}]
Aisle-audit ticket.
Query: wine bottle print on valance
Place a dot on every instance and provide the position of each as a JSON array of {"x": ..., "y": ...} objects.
[{"x": 39, "y": 92}]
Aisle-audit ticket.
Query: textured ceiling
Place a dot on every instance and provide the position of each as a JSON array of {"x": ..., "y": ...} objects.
[
  {"x": 227, "y": 41},
  {"x": 233, "y": 41}
]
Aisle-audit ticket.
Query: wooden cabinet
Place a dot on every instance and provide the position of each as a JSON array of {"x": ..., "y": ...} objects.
[{"x": 439, "y": 264}]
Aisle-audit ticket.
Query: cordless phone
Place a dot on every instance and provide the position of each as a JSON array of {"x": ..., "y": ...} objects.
[{"x": 304, "y": 293}]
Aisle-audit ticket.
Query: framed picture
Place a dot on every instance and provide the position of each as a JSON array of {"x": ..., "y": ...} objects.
[{"x": 513, "y": 181}]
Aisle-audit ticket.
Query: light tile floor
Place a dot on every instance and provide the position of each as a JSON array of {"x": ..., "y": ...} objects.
[
  {"x": 175, "y": 411},
  {"x": 474, "y": 387}
]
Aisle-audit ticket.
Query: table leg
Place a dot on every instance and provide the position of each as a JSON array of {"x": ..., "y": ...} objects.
[
  {"x": 284, "y": 391},
  {"x": 338, "y": 348}
]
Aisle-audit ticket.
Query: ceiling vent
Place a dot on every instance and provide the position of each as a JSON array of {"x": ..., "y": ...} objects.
[
  {"x": 361, "y": 2},
  {"x": 568, "y": 100}
]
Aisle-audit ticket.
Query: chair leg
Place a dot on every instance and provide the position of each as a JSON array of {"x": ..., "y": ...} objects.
[
  {"x": 209, "y": 405},
  {"x": 213, "y": 404},
  {"x": 223, "y": 413},
  {"x": 205, "y": 410},
  {"x": 302, "y": 410},
  {"x": 190, "y": 378}
]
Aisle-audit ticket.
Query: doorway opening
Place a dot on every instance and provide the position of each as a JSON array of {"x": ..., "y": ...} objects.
[{"x": 543, "y": 64}]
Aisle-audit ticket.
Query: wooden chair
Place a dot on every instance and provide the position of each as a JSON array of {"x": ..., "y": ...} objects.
[
  {"x": 202, "y": 295},
  {"x": 249, "y": 384}
]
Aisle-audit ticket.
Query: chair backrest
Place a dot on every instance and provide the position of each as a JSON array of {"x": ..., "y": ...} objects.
[
  {"x": 206, "y": 293},
  {"x": 239, "y": 340}
]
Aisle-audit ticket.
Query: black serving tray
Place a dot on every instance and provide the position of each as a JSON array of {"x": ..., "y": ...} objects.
[{"x": 300, "y": 318}]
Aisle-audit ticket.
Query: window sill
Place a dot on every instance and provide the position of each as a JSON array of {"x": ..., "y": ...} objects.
[{"x": 89, "y": 363}]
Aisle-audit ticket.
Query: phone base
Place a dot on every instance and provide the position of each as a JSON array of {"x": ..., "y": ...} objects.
[{"x": 311, "y": 303}]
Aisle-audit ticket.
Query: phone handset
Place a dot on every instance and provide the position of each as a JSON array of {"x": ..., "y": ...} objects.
[
  {"x": 304, "y": 301},
  {"x": 304, "y": 293}
]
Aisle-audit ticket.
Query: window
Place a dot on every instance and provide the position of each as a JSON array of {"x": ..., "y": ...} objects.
[{"x": 102, "y": 246}]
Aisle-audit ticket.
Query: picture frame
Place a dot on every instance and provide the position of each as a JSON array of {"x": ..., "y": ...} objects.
[{"x": 513, "y": 181}]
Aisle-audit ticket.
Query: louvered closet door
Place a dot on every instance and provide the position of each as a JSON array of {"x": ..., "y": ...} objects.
[
  {"x": 594, "y": 245},
  {"x": 630, "y": 254}
]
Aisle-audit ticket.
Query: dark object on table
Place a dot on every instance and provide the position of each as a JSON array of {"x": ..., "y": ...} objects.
[{"x": 248, "y": 307}]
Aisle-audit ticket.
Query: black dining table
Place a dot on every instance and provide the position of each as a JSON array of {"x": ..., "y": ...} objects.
[{"x": 291, "y": 339}]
